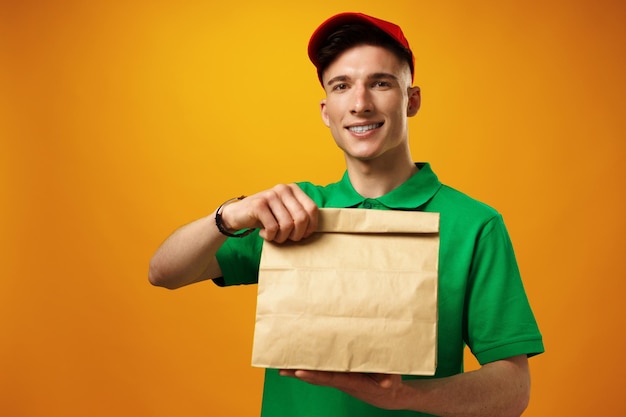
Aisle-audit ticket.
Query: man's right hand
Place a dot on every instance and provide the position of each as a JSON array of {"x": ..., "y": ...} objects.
[{"x": 283, "y": 212}]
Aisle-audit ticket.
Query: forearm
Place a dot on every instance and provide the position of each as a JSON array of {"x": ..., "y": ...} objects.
[
  {"x": 282, "y": 213},
  {"x": 499, "y": 389},
  {"x": 188, "y": 255}
]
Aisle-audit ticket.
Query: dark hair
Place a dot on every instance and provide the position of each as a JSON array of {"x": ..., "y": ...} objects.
[{"x": 348, "y": 36}]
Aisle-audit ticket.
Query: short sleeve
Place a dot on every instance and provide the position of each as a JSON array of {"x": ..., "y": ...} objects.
[
  {"x": 239, "y": 260},
  {"x": 500, "y": 322}
]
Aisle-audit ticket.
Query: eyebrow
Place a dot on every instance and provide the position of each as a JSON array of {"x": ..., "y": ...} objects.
[
  {"x": 337, "y": 79},
  {"x": 374, "y": 76},
  {"x": 382, "y": 75}
]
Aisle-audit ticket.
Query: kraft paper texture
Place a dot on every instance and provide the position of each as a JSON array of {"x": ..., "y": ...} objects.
[{"x": 360, "y": 295}]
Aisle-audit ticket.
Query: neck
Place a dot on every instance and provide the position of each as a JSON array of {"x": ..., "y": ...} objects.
[{"x": 372, "y": 179}]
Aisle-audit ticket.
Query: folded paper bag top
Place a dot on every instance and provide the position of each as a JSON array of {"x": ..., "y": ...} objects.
[
  {"x": 359, "y": 295},
  {"x": 377, "y": 221}
]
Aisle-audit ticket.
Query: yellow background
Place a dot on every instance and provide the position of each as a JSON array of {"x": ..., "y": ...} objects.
[{"x": 119, "y": 121}]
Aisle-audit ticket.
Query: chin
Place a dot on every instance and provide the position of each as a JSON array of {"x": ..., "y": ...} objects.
[
  {"x": 363, "y": 158},
  {"x": 361, "y": 153}
]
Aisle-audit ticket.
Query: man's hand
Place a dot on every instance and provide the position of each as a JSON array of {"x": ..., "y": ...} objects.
[
  {"x": 497, "y": 389},
  {"x": 283, "y": 212},
  {"x": 381, "y": 390}
]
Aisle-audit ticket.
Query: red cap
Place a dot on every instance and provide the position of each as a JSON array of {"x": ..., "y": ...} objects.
[{"x": 321, "y": 34}]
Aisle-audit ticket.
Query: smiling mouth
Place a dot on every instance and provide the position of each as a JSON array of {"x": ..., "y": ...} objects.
[{"x": 364, "y": 128}]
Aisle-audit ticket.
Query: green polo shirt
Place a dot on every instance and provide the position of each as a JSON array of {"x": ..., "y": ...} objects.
[{"x": 482, "y": 302}]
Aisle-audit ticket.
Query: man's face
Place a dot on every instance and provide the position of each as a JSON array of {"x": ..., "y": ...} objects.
[{"x": 368, "y": 100}]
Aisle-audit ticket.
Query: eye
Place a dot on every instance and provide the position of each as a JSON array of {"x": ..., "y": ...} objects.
[
  {"x": 381, "y": 84},
  {"x": 340, "y": 86}
]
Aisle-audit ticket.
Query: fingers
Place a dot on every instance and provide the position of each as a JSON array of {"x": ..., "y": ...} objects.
[
  {"x": 325, "y": 378},
  {"x": 342, "y": 380},
  {"x": 380, "y": 390},
  {"x": 283, "y": 212},
  {"x": 292, "y": 214},
  {"x": 301, "y": 213}
]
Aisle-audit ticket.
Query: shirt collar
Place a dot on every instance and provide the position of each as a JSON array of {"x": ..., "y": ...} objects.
[{"x": 412, "y": 194}]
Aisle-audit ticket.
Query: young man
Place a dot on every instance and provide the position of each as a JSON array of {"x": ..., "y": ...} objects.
[{"x": 365, "y": 66}]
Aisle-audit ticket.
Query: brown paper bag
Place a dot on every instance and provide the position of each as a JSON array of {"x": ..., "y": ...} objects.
[{"x": 360, "y": 295}]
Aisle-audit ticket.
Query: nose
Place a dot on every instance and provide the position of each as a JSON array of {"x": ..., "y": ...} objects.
[{"x": 361, "y": 100}]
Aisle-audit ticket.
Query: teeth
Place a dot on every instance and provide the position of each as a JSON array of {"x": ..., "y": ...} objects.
[{"x": 361, "y": 129}]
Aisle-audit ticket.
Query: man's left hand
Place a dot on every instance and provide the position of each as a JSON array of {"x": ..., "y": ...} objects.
[{"x": 381, "y": 390}]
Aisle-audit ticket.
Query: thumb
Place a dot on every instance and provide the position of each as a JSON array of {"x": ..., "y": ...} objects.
[{"x": 382, "y": 380}]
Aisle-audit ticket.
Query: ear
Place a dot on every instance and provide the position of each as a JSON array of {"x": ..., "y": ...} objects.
[
  {"x": 324, "y": 113},
  {"x": 415, "y": 101}
]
